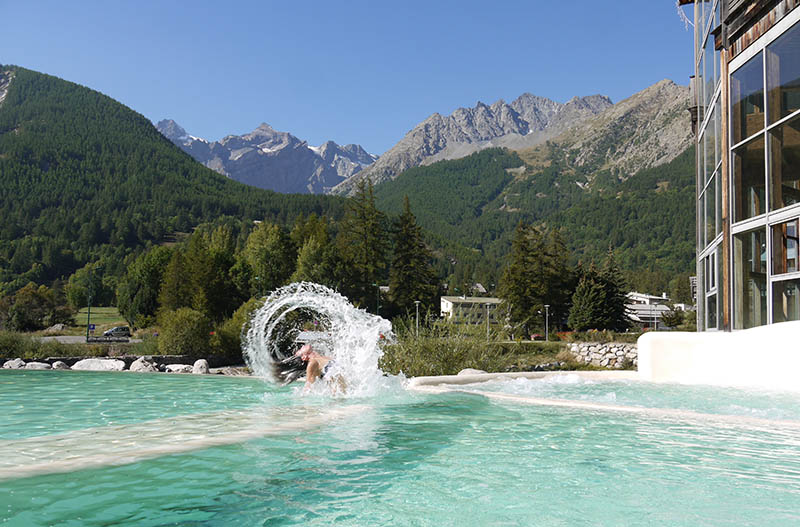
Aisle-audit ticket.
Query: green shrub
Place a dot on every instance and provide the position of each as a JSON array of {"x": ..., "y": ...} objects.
[
  {"x": 16, "y": 345},
  {"x": 185, "y": 332},
  {"x": 446, "y": 349},
  {"x": 226, "y": 343}
]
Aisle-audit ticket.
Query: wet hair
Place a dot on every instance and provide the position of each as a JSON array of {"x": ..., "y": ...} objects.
[{"x": 289, "y": 369}]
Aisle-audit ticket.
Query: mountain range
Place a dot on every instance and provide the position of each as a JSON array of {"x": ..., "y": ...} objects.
[
  {"x": 273, "y": 160},
  {"x": 84, "y": 179},
  {"x": 527, "y": 121}
]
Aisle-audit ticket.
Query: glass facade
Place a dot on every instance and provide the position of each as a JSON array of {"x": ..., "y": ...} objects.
[
  {"x": 709, "y": 183},
  {"x": 765, "y": 180},
  {"x": 755, "y": 280}
]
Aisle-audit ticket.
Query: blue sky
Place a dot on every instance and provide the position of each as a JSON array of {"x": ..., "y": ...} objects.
[{"x": 353, "y": 72}]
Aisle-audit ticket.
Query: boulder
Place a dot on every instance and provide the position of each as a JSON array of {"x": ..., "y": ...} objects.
[
  {"x": 142, "y": 365},
  {"x": 14, "y": 364},
  {"x": 178, "y": 368},
  {"x": 470, "y": 371},
  {"x": 60, "y": 365},
  {"x": 200, "y": 367},
  {"x": 55, "y": 328},
  {"x": 99, "y": 365},
  {"x": 37, "y": 366}
]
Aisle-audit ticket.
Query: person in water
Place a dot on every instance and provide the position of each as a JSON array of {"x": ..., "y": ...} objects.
[{"x": 316, "y": 366}]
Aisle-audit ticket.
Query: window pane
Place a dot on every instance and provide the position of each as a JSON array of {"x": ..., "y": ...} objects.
[
  {"x": 711, "y": 67},
  {"x": 748, "y": 180},
  {"x": 710, "y": 147},
  {"x": 750, "y": 279},
  {"x": 711, "y": 311},
  {"x": 747, "y": 99},
  {"x": 783, "y": 75},
  {"x": 711, "y": 212},
  {"x": 784, "y": 248},
  {"x": 785, "y": 164},
  {"x": 785, "y": 300}
]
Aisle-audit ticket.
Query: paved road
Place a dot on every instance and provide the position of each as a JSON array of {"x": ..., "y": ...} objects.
[{"x": 76, "y": 339}]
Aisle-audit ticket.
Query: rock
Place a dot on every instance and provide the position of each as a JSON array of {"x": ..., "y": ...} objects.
[
  {"x": 14, "y": 364},
  {"x": 470, "y": 371},
  {"x": 99, "y": 365},
  {"x": 60, "y": 365},
  {"x": 142, "y": 365},
  {"x": 200, "y": 367},
  {"x": 178, "y": 368},
  {"x": 233, "y": 371},
  {"x": 55, "y": 328},
  {"x": 37, "y": 366}
]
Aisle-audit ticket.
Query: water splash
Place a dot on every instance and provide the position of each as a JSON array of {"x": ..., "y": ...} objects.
[{"x": 351, "y": 336}]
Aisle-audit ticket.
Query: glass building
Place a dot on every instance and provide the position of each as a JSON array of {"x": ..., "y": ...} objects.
[{"x": 747, "y": 122}]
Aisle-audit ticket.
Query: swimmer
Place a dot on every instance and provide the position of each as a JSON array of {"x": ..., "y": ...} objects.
[
  {"x": 316, "y": 365},
  {"x": 306, "y": 360}
]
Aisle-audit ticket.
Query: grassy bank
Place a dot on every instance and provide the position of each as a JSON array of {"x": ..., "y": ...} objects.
[{"x": 446, "y": 349}]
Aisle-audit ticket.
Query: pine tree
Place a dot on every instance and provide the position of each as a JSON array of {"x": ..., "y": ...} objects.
[
  {"x": 363, "y": 245},
  {"x": 616, "y": 314},
  {"x": 537, "y": 274},
  {"x": 588, "y": 303},
  {"x": 411, "y": 276}
]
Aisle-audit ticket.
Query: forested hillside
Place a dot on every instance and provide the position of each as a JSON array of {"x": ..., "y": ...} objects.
[
  {"x": 85, "y": 179},
  {"x": 647, "y": 218}
]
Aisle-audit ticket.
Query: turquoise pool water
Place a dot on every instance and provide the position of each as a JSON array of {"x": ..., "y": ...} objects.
[{"x": 394, "y": 459}]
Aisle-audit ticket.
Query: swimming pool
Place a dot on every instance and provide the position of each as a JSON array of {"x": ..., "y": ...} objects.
[{"x": 149, "y": 449}]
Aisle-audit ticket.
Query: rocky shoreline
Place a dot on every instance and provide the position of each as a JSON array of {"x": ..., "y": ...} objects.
[{"x": 137, "y": 364}]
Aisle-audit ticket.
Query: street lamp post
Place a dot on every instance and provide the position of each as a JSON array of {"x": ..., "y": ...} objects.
[
  {"x": 487, "y": 321},
  {"x": 547, "y": 322},
  {"x": 416, "y": 304}
]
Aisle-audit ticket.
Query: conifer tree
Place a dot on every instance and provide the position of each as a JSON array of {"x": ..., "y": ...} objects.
[
  {"x": 176, "y": 286},
  {"x": 363, "y": 245},
  {"x": 411, "y": 275},
  {"x": 616, "y": 314},
  {"x": 537, "y": 274},
  {"x": 588, "y": 303}
]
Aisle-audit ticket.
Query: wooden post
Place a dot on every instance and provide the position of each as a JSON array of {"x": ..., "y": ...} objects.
[{"x": 726, "y": 188}]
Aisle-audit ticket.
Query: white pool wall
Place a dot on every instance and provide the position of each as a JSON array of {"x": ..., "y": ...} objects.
[{"x": 762, "y": 357}]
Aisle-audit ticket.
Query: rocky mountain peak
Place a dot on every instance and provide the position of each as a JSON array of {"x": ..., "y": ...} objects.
[
  {"x": 528, "y": 120},
  {"x": 172, "y": 130},
  {"x": 272, "y": 159}
]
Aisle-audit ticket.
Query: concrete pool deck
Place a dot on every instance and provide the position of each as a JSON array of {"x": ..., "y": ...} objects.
[{"x": 763, "y": 357}]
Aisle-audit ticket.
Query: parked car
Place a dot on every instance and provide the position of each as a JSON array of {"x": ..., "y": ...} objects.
[{"x": 119, "y": 331}]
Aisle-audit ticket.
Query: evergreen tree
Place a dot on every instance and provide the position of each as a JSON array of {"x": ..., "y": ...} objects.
[
  {"x": 362, "y": 246},
  {"x": 537, "y": 274},
  {"x": 176, "y": 286},
  {"x": 616, "y": 314},
  {"x": 411, "y": 276},
  {"x": 588, "y": 303},
  {"x": 599, "y": 299}
]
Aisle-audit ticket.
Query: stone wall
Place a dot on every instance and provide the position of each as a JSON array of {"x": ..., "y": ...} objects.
[{"x": 612, "y": 355}]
